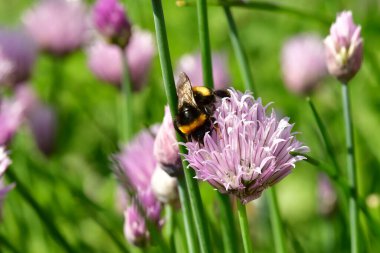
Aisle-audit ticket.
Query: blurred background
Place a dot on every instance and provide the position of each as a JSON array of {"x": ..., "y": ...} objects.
[{"x": 62, "y": 154}]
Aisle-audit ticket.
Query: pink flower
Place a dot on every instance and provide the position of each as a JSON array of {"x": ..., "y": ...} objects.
[
  {"x": 166, "y": 149},
  {"x": 248, "y": 152},
  {"x": 192, "y": 66},
  {"x": 344, "y": 48},
  {"x": 303, "y": 63},
  {"x": 104, "y": 59},
  {"x": 112, "y": 22},
  {"x": 4, "y": 164},
  {"x": 17, "y": 56},
  {"x": 57, "y": 26}
]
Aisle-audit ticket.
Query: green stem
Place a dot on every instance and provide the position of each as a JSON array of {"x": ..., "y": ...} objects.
[
  {"x": 227, "y": 224},
  {"x": 44, "y": 217},
  {"x": 244, "y": 227},
  {"x": 192, "y": 242},
  {"x": 4, "y": 243},
  {"x": 325, "y": 136},
  {"x": 170, "y": 223},
  {"x": 186, "y": 184},
  {"x": 351, "y": 171},
  {"x": 239, "y": 51},
  {"x": 126, "y": 101},
  {"x": 204, "y": 38},
  {"x": 277, "y": 225},
  {"x": 265, "y": 6}
]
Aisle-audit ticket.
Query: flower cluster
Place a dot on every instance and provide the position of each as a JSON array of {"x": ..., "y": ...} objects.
[
  {"x": 344, "y": 48},
  {"x": 191, "y": 64},
  {"x": 248, "y": 151},
  {"x": 303, "y": 63},
  {"x": 57, "y": 26},
  {"x": 111, "y": 21},
  {"x": 137, "y": 164},
  {"x": 105, "y": 60},
  {"x": 17, "y": 56},
  {"x": 4, "y": 163}
]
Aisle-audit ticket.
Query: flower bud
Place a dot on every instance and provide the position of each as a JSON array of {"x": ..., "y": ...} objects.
[
  {"x": 164, "y": 186},
  {"x": 344, "y": 48},
  {"x": 191, "y": 64},
  {"x": 166, "y": 149},
  {"x": 303, "y": 63},
  {"x": 111, "y": 21},
  {"x": 17, "y": 56}
]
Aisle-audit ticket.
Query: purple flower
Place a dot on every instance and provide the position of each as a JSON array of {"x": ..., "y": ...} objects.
[
  {"x": 17, "y": 56},
  {"x": 11, "y": 117},
  {"x": 104, "y": 59},
  {"x": 192, "y": 66},
  {"x": 303, "y": 63},
  {"x": 137, "y": 164},
  {"x": 166, "y": 149},
  {"x": 248, "y": 151},
  {"x": 327, "y": 197},
  {"x": 57, "y": 26},
  {"x": 43, "y": 123},
  {"x": 4, "y": 163},
  {"x": 344, "y": 48},
  {"x": 111, "y": 21}
]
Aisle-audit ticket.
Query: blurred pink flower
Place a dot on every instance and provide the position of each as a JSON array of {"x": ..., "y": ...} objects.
[
  {"x": 4, "y": 163},
  {"x": 104, "y": 59},
  {"x": 17, "y": 56},
  {"x": 303, "y": 63},
  {"x": 43, "y": 123},
  {"x": 191, "y": 64},
  {"x": 136, "y": 165},
  {"x": 11, "y": 117},
  {"x": 57, "y": 26},
  {"x": 111, "y": 21},
  {"x": 166, "y": 149},
  {"x": 249, "y": 152},
  {"x": 344, "y": 48},
  {"x": 327, "y": 197}
]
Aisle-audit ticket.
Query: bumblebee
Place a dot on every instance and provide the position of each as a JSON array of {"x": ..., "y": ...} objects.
[{"x": 196, "y": 106}]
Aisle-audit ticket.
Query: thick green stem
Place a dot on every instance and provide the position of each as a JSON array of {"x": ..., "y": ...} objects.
[
  {"x": 192, "y": 242},
  {"x": 204, "y": 38},
  {"x": 239, "y": 51},
  {"x": 227, "y": 224},
  {"x": 187, "y": 183},
  {"x": 44, "y": 217},
  {"x": 277, "y": 225},
  {"x": 351, "y": 171},
  {"x": 126, "y": 129},
  {"x": 244, "y": 227},
  {"x": 325, "y": 136}
]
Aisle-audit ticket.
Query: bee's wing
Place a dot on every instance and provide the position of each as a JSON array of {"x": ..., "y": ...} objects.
[{"x": 184, "y": 91}]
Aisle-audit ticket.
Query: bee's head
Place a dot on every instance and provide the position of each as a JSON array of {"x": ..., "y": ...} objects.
[{"x": 187, "y": 114}]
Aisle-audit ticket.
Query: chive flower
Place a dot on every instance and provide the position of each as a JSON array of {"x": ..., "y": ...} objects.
[
  {"x": 4, "y": 164},
  {"x": 111, "y": 22},
  {"x": 249, "y": 149},
  {"x": 344, "y": 48},
  {"x": 11, "y": 117},
  {"x": 303, "y": 63},
  {"x": 17, "y": 57},
  {"x": 105, "y": 62},
  {"x": 191, "y": 64},
  {"x": 166, "y": 149},
  {"x": 57, "y": 26},
  {"x": 136, "y": 165}
]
